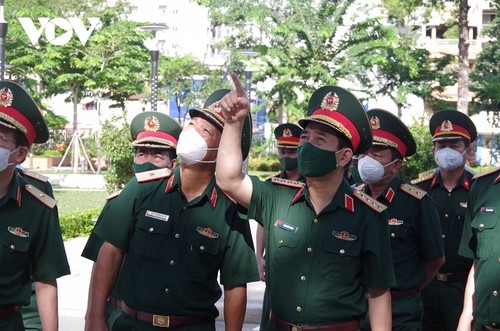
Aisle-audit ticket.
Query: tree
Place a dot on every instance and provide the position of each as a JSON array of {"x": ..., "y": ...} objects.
[{"x": 485, "y": 76}]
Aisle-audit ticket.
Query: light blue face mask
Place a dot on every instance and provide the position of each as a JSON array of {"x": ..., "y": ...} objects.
[{"x": 4, "y": 158}]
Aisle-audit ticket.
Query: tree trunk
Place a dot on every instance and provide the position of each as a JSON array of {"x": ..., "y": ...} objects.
[{"x": 463, "y": 58}]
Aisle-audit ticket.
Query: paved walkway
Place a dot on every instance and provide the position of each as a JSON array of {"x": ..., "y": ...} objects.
[{"x": 73, "y": 291}]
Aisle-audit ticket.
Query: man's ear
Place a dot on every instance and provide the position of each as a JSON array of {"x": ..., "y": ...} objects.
[
  {"x": 346, "y": 157},
  {"x": 22, "y": 154}
]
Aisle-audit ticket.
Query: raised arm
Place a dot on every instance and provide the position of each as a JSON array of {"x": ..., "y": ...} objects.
[{"x": 230, "y": 178}]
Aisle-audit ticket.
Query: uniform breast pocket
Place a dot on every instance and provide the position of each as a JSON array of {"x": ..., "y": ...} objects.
[
  {"x": 345, "y": 258},
  {"x": 202, "y": 259},
  {"x": 398, "y": 232},
  {"x": 483, "y": 224},
  {"x": 459, "y": 220},
  {"x": 285, "y": 243},
  {"x": 150, "y": 238},
  {"x": 13, "y": 253}
]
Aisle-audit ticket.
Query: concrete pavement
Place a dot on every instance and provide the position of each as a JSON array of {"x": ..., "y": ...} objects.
[{"x": 73, "y": 291}]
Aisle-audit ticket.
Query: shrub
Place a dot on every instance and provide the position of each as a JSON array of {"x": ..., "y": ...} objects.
[{"x": 78, "y": 223}]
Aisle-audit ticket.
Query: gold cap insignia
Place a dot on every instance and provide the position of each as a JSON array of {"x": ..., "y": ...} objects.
[
  {"x": 375, "y": 123},
  {"x": 287, "y": 133},
  {"x": 151, "y": 124},
  {"x": 6, "y": 97},
  {"x": 215, "y": 107},
  {"x": 330, "y": 102},
  {"x": 446, "y": 126}
]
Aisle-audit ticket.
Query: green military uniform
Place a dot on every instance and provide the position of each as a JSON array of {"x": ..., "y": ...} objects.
[
  {"x": 413, "y": 225},
  {"x": 480, "y": 242},
  {"x": 178, "y": 249},
  {"x": 318, "y": 265},
  {"x": 444, "y": 296},
  {"x": 31, "y": 317},
  {"x": 31, "y": 244},
  {"x": 148, "y": 129}
]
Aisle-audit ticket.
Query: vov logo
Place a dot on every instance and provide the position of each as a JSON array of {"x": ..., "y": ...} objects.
[{"x": 49, "y": 25}]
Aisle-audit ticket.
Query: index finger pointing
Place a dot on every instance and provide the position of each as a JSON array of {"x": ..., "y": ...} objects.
[{"x": 237, "y": 85}]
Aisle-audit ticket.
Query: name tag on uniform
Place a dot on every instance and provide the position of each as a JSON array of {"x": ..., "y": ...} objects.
[
  {"x": 157, "y": 216},
  {"x": 285, "y": 226},
  {"x": 488, "y": 210}
]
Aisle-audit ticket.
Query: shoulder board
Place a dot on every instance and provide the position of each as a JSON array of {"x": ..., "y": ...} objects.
[
  {"x": 113, "y": 195},
  {"x": 360, "y": 187},
  {"x": 35, "y": 175},
  {"x": 286, "y": 182},
  {"x": 276, "y": 174},
  {"x": 487, "y": 173},
  {"x": 147, "y": 176},
  {"x": 41, "y": 196},
  {"x": 471, "y": 171},
  {"x": 414, "y": 191},
  {"x": 423, "y": 176},
  {"x": 369, "y": 201}
]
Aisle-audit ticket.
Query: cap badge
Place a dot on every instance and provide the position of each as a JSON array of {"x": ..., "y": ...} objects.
[
  {"x": 287, "y": 133},
  {"x": 215, "y": 107},
  {"x": 446, "y": 126},
  {"x": 375, "y": 123},
  {"x": 330, "y": 102},
  {"x": 6, "y": 97},
  {"x": 151, "y": 124}
]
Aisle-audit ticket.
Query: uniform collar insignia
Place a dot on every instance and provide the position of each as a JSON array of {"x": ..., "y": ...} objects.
[
  {"x": 213, "y": 197},
  {"x": 170, "y": 183},
  {"x": 348, "y": 202},
  {"x": 344, "y": 235},
  {"x": 18, "y": 231},
  {"x": 298, "y": 194},
  {"x": 389, "y": 195},
  {"x": 207, "y": 232}
]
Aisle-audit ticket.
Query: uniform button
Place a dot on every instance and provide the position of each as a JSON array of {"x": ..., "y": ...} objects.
[
  {"x": 151, "y": 229},
  {"x": 12, "y": 247},
  {"x": 184, "y": 208},
  {"x": 177, "y": 236},
  {"x": 443, "y": 236},
  {"x": 449, "y": 195},
  {"x": 167, "y": 291},
  {"x": 393, "y": 235},
  {"x": 495, "y": 293},
  {"x": 202, "y": 247},
  {"x": 303, "y": 278},
  {"x": 280, "y": 242},
  {"x": 342, "y": 251},
  {"x": 481, "y": 225},
  {"x": 493, "y": 324},
  {"x": 172, "y": 262},
  {"x": 309, "y": 249},
  {"x": 315, "y": 221},
  {"x": 446, "y": 215},
  {"x": 299, "y": 309}
]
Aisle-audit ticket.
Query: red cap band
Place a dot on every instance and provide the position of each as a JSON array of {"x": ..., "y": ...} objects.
[
  {"x": 15, "y": 118},
  {"x": 156, "y": 135},
  {"x": 457, "y": 131},
  {"x": 340, "y": 122},
  {"x": 397, "y": 143}
]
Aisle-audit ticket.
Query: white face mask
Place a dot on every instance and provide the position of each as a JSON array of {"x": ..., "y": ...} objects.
[
  {"x": 371, "y": 170},
  {"x": 4, "y": 158},
  {"x": 192, "y": 148},
  {"x": 449, "y": 159}
]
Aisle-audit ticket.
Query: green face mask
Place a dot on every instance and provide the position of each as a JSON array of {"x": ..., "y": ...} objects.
[
  {"x": 147, "y": 166},
  {"x": 288, "y": 163},
  {"x": 314, "y": 161}
]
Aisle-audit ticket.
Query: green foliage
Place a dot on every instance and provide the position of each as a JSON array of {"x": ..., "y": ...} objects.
[
  {"x": 269, "y": 164},
  {"x": 78, "y": 223},
  {"x": 423, "y": 159},
  {"x": 116, "y": 145}
]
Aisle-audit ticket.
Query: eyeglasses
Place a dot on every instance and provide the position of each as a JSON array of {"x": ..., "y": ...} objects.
[{"x": 4, "y": 140}]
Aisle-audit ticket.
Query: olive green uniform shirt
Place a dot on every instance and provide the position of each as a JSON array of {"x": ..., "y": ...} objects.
[
  {"x": 31, "y": 244},
  {"x": 414, "y": 231},
  {"x": 481, "y": 241},
  {"x": 451, "y": 206},
  {"x": 318, "y": 264},
  {"x": 174, "y": 249}
]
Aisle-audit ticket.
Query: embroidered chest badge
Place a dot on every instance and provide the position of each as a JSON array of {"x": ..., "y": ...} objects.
[
  {"x": 207, "y": 232},
  {"x": 17, "y": 231},
  {"x": 395, "y": 221},
  {"x": 344, "y": 235},
  {"x": 285, "y": 226},
  {"x": 488, "y": 210}
]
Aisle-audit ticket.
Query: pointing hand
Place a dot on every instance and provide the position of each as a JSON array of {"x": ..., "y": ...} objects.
[{"x": 235, "y": 105}]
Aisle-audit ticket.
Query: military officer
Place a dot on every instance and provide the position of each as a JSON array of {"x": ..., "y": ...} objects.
[
  {"x": 154, "y": 136},
  {"x": 287, "y": 140},
  {"x": 449, "y": 184},
  {"x": 176, "y": 232},
  {"x": 480, "y": 242},
  {"x": 416, "y": 243},
  {"x": 31, "y": 241},
  {"x": 327, "y": 245}
]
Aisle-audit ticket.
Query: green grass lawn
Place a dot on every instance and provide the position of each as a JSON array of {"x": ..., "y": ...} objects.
[{"x": 72, "y": 200}]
